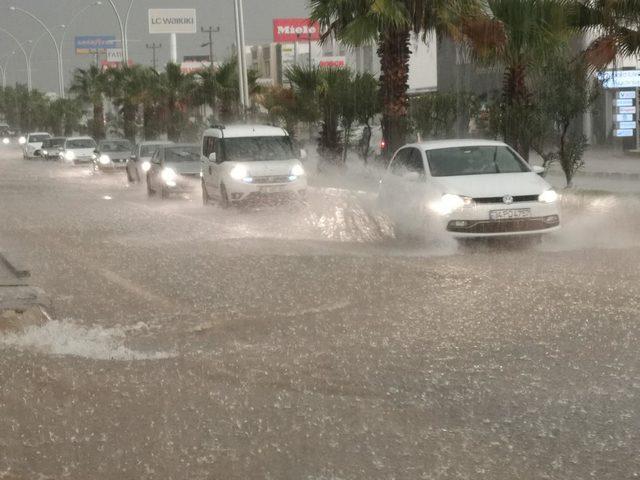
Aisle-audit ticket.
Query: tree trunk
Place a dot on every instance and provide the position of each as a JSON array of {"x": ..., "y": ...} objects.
[
  {"x": 394, "y": 53},
  {"x": 98, "y": 121},
  {"x": 129, "y": 120},
  {"x": 517, "y": 101}
]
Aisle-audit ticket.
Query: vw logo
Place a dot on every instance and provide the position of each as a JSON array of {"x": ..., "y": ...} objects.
[{"x": 508, "y": 199}]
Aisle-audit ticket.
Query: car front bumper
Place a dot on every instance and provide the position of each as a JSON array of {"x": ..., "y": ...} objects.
[
  {"x": 239, "y": 191},
  {"x": 476, "y": 220}
]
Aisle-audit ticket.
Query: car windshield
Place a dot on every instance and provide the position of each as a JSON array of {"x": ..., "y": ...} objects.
[
  {"x": 189, "y": 153},
  {"x": 115, "y": 146},
  {"x": 38, "y": 138},
  {"x": 473, "y": 160},
  {"x": 148, "y": 150},
  {"x": 53, "y": 142},
  {"x": 248, "y": 149},
  {"x": 81, "y": 143}
]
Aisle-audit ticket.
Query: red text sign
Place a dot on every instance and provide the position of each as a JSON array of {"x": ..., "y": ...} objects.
[{"x": 288, "y": 30}]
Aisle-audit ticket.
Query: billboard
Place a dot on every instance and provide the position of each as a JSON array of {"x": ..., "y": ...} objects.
[
  {"x": 172, "y": 20},
  {"x": 289, "y": 30},
  {"x": 333, "y": 62},
  {"x": 92, "y": 44}
]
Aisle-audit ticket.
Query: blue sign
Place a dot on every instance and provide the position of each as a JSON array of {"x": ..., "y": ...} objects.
[
  {"x": 623, "y": 102},
  {"x": 626, "y": 125},
  {"x": 92, "y": 44},
  {"x": 620, "y": 78},
  {"x": 623, "y": 117},
  {"x": 623, "y": 133},
  {"x": 627, "y": 94}
]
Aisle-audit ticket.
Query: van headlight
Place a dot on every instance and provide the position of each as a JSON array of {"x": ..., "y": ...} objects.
[
  {"x": 6, "y": 141},
  {"x": 239, "y": 172},
  {"x": 297, "y": 170},
  {"x": 169, "y": 176},
  {"x": 146, "y": 166},
  {"x": 548, "y": 196},
  {"x": 69, "y": 156},
  {"x": 449, "y": 203},
  {"x": 22, "y": 140},
  {"x": 104, "y": 159}
]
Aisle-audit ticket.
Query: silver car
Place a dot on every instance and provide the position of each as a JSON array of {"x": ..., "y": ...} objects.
[{"x": 139, "y": 161}]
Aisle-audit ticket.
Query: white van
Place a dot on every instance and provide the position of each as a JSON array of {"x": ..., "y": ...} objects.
[{"x": 241, "y": 162}]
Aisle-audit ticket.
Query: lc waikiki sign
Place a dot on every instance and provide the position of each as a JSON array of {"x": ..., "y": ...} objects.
[
  {"x": 290, "y": 30},
  {"x": 172, "y": 20}
]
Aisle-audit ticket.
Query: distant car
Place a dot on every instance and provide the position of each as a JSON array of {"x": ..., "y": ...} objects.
[
  {"x": 138, "y": 163},
  {"x": 6, "y": 133},
  {"x": 174, "y": 169},
  {"x": 33, "y": 143},
  {"x": 468, "y": 188},
  {"x": 112, "y": 154},
  {"x": 78, "y": 150},
  {"x": 242, "y": 162},
  {"x": 52, "y": 147}
]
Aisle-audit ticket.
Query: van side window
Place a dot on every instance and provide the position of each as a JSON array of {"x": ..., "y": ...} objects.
[{"x": 208, "y": 146}]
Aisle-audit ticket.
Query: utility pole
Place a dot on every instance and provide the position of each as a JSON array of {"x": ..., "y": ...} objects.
[
  {"x": 210, "y": 31},
  {"x": 154, "y": 47}
]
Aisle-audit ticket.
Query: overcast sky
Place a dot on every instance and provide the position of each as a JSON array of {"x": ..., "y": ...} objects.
[{"x": 102, "y": 20}]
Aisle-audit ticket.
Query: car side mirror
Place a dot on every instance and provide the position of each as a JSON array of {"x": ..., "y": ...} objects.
[
  {"x": 537, "y": 169},
  {"x": 303, "y": 154},
  {"x": 213, "y": 157}
]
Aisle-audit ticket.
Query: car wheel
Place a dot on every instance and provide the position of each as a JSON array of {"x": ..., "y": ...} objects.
[
  {"x": 224, "y": 197},
  {"x": 129, "y": 176},
  {"x": 205, "y": 194}
]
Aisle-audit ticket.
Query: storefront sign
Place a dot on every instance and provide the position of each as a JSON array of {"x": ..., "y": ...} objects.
[
  {"x": 172, "y": 20},
  {"x": 92, "y": 44},
  {"x": 288, "y": 30}
]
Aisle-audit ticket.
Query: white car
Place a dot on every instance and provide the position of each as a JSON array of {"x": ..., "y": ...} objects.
[
  {"x": 33, "y": 143},
  {"x": 79, "y": 150},
  {"x": 242, "y": 162},
  {"x": 468, "y": 188},
  {"x": 139, "y": 162}
]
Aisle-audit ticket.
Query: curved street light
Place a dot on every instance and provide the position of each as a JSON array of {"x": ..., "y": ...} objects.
[
  {"x": 53, "y": 39},
  {"x": 3, "y": 67},
  {"x": 124, "y": 42},
  {"x": 24, "y": 52}
]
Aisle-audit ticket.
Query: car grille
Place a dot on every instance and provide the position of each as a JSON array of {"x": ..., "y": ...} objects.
[
  {"x": 271, "y": 179},
  {"x": 504, "y": 226},
  {"x": 516, "y": 199}
]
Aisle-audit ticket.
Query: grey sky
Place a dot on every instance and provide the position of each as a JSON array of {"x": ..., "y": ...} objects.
[{"x": 101, "y": 20}]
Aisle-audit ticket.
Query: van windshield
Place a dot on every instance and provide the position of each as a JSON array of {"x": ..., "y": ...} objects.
[
  {"x": 81, "y": 143},
  {"x": 256, "y": 149}
]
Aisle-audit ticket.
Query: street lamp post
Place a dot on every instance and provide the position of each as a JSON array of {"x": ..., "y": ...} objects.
[
  {"x": 242, "y": 62},
  {"x": 24, "y": 52},
  {"x": 66, "y": 27},
  {"x": 124, "y": 43},
  {"x": 4, "y": 69},
  {"x": 55, "y": 44}
]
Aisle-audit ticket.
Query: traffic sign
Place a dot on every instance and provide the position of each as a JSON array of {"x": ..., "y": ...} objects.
[
  {"x": 623, "y": 133},
  {"x": 626, "y": 125}
]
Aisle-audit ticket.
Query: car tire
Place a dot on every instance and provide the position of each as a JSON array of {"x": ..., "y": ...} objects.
[
  {"x": 224, "y": 197},
  {"x": 205, "y": 194},
  {"x": 129, "y": 176}
]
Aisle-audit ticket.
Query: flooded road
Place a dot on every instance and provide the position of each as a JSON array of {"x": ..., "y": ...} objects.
[{"x": 303, "y": 341}]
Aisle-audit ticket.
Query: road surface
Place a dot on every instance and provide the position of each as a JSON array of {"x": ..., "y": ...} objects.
[{"x": 304, "y": 342}]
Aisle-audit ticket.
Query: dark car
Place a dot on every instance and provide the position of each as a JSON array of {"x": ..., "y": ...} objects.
[
  {"x": 174, "y": 169},
  {"x": 51, "y": 148},
  {"x": 112, "y": 154},
  {"x": 140, "y": 160}
]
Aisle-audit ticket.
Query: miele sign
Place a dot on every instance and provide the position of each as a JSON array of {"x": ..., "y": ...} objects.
[
  {"x": 289, "y": 30},
  {"x": 172, "y": 20}
]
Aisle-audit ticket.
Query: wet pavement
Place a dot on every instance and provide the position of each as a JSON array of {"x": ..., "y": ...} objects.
[{"x": 302, "y": 341}]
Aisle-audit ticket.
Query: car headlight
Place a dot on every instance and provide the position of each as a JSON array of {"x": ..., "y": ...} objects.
[
  {"x": 69, "y": 156},
  {"x": 6, "y": 141},
  {"x": 169, "y": 176},
  {"x": 239, "y": 172},
  {"x": 45, "y": 153},
  {"x": 548, "y": 196},
  {"x": 146, "y": 166},
  {"x": 449, "y": 203},
  {"x": 22, "y": 140},
  {"x": 104, "y": 159},
  {"x": 297, "y": 170}
]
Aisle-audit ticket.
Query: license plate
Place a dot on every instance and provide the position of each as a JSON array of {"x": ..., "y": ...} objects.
[
  {"x": 270, "y": 189},
  {"x": 511, "y": 213}
]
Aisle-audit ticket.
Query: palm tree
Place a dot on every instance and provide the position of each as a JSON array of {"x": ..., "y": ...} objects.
[
  {"x": 616, "y": 24},
  {"x": 179, "y": 92},
  {"x": 517, "y": 35},
  {"x": 389, "y": 24},
  {"x": 89, "y": 85}
]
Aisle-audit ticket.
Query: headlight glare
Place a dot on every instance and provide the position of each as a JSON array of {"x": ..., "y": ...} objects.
[
  {"x": 22, "y": 140},
  {"x": 69, "y": 156},
  {"x": 548, "y": 196},
  {"x": 239, "y": 172},
  {"x": 169, "y": 175},
  {"x": 6, "y": 141},
  {"x": 104, "y": 159},
  {"x": 146, "y": 166},
  {"x": 297, "y": 170},
  {"x": 449, "y": 203}
]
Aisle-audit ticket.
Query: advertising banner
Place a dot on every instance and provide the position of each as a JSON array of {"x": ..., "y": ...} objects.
[
  {"x": 172, "y": 20},
  {"x": 92, "y": 44},
  {"x": 289, "y": 30},
  {"x": 333, "y": 62}
]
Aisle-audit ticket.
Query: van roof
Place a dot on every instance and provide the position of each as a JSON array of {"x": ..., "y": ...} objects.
[{"x": 235, "y": 131}]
